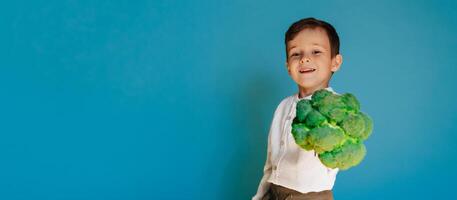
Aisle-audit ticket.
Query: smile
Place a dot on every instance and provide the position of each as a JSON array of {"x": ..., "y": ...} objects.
[{"x": 306, "y": 70}]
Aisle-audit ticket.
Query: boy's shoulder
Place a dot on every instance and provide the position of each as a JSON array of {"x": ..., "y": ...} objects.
[
  {"x": 286, "y": 102},
  {"x": 288, "y": 99}
]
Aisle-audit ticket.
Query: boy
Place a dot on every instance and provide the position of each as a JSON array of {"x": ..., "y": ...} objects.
[{"x": 290, "y": 172}]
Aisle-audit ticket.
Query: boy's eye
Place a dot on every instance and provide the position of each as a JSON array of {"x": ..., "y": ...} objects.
[
  {"x": 316, "y": 52},
  {"x": 294, "y": 54}
]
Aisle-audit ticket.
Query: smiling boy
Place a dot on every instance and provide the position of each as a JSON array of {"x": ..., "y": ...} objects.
[{"x": 290, "y": 172}]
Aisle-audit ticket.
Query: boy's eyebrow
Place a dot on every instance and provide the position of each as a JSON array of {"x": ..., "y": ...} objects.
[
  {"x": 288, "y": 49},
  {"x": 317, "y": 44}
]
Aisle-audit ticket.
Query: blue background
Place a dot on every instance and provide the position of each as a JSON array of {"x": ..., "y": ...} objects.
[{"x": 174, "y": 99}]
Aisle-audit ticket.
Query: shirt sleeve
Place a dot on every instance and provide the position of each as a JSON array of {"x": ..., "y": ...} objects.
[{"x": 264, "y": 185}]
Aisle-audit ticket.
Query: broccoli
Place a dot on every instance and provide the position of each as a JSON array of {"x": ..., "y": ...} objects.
[
  {"x": 300, "y": 133},
  {"x": 314, "y": 119},
  {"x": 344, "y": 157},
  {"x": 305, "y": 108},
  {"x": 334, "y": 127}
]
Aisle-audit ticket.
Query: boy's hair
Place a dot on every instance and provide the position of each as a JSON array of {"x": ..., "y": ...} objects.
[{"x": 313, "y": 23}]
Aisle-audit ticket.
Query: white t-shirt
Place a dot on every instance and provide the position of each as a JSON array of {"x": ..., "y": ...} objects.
[{"x": 289, "y": 165}]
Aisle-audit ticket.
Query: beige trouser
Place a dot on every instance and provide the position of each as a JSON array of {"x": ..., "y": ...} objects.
[{"x": 277, "y": 192}]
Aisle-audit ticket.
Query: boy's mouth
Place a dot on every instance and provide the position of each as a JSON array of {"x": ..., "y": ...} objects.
[{"x": 306, "y": 70}]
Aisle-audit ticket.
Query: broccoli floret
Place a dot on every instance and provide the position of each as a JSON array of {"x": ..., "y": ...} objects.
[
  {"x": 314, "y": 118},
  {"x": 357, "y": 125},
  {"x": 303, "y": 108},
  {"x": 352, "y": 104},
  {"x": 300, "y": 133},
  {"x": 331, "y": 105},
  {"x": 333, "y": 126},
  {"x": 344, "y": 157},
  {"x": 325, "y": 137},
  {"x": 354, "y": 125},
  {"x": 368, "y": 126},
  {"x": 319, "y": 95}
]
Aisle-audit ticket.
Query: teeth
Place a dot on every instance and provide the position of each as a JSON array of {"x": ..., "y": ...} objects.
[{"x": 306, "y": 70}]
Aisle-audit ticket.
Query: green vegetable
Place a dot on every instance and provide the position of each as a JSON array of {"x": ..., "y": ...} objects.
[
  {"x": 344, "y": 157},
  {"x": 325, "y": 137},
  {"x": 314, "y": 119},
  {"x": 300, "y": 133},
  {"x": 303, "y": 108},
  {"x": 358, "y": 126},
  {"x": 334, "y": 127}
]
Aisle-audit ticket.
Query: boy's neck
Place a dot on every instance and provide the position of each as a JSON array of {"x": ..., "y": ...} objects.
[{"x": 304, "y": 92}]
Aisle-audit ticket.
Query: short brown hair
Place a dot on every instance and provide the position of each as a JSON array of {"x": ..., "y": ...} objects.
[{"x": 312, "y": 23}]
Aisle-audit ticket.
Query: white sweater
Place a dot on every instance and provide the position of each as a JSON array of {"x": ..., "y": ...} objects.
[{"x": 287, "y": 164}]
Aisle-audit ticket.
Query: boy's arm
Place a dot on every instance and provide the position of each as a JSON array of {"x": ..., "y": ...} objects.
[{"x": 264, "y": 185}]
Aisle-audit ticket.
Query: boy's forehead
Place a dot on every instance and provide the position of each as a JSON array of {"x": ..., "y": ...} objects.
[{"x": 310, "y": 36}]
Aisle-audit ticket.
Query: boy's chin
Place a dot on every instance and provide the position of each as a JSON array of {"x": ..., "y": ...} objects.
[{"x": 306, "y": 86}]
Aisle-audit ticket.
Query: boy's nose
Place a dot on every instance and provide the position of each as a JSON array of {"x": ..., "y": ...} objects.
[{"x": 302, "y": 60}]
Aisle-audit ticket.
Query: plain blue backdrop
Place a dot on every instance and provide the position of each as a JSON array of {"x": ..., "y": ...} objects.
[{"x": 174, "y": 99}]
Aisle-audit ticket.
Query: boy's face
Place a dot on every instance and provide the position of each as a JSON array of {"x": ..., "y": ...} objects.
[{"x": 309, "y": 60}]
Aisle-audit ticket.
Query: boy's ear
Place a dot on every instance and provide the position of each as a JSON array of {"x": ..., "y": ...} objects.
[{"x": 336, "y": 62}]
